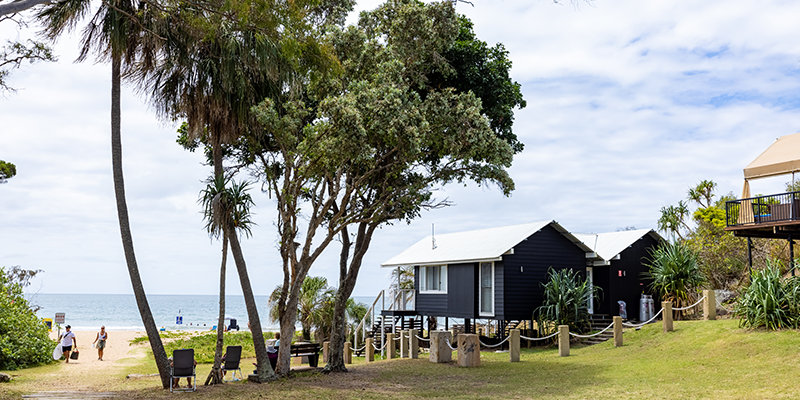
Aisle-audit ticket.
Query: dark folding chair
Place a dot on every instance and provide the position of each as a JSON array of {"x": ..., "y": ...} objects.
[
  {"x": 233, "y": 354},
  {"x": 182, "y": 367}
]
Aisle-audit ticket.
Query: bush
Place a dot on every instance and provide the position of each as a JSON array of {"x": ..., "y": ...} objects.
[
  {"x": 565, "y": 301},
  {"x": 205, "y": 344},
  {"x": 674, "y": 272},
  {"x": 24, "y": 338},
  {"x": 770, "y": 301}
]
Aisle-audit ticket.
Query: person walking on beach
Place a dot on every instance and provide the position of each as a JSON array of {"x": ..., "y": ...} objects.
[
  {"x": 101, "y": 342},
  {"x": 68, "y": 340}
]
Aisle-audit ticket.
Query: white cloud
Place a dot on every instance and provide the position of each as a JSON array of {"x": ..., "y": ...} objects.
[{"x": 629, "y": 103}]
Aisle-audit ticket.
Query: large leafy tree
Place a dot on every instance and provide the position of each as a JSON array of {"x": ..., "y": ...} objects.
[
  {"x": 7, "y": 170},
  {"x": 368, "y": 146},
  {"x": 113, "y": 35}
]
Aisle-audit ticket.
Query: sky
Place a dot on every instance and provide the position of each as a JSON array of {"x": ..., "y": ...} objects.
[{"x": 629, "y": 103}]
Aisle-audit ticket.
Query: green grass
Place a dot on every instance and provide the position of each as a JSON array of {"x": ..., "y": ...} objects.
[
  {"x": 699, "y": 360},
  {"x": 205, "y": 344}
]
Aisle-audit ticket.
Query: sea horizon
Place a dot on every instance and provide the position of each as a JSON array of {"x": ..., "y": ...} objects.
[{"x": 119, "y": 312}]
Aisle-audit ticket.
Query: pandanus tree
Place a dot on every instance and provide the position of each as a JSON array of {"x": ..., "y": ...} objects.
[
  {"x": 113, "y": 34},
  {"x": 225, "y": 210}
]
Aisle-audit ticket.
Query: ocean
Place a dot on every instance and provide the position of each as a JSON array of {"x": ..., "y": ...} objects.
[{"x": 119, "y": 311}]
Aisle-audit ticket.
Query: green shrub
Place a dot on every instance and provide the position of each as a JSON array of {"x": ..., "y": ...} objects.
[
  {"x": 674, "y": 272},
  {"x": 205, "y": 344},
  {"x": 24, "y": 339},
  {"x": 770, "y": 301},
  {"x": 565, "y": 301}
]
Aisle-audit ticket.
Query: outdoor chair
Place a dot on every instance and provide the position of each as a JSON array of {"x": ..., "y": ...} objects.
[
  {"x": 233, "y": 354},
  {"x": 182, "y": 367}
]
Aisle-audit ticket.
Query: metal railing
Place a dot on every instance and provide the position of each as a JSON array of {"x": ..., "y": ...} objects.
[{"x": 763, "y": 209}]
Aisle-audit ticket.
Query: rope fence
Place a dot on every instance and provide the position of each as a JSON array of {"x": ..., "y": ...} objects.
[
  {"x": 381, "y": 348},
  {"x": 447, "y": 340},
  {"x": 686, "y": 308},
  {"x": 357, "y": 350},
  {"x": 644, "y": 323},
  {"x": 541, "y": 338},
  {"x": 494, "y": 345},
  {"x": 594, "y": 334},
  {"x": 422, "y": 338}
]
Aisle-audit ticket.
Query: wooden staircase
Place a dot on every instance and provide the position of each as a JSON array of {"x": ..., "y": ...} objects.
[{"x": 599, "y": 322}]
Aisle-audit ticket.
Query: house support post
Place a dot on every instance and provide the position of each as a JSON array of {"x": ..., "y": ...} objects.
[
  {"x": 467, "y": 325},
  {"x": 403, "y": 344},
  {"x": 469, "y": 350},
  {"x": 667, "y": 317},
  {"x": 413, "y": 347},
  {"x": 563, "y": 340},
  {"x": 390, "y": 346},
  {"x": 709, "y": 305},
  {"x": 370, "y": 355},
  {"x": 750, "y": 255},
  {"x": 617, "y": 331},
  {"x": 791, "y": 253},
  {"x": 513, "y": 346},
  {"x": 348, "y": 353},
  {"x": 325, "y": 347},
  {"x": 440, "y": 351},
  {"x": 447, "y": 323}
]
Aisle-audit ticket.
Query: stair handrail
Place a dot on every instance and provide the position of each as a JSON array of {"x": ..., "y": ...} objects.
[
  {"x": 401, "y": 299},
  {"x": 370, "y": 313}
]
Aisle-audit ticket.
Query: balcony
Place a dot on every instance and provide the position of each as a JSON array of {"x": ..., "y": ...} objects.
[{"x": 772, "y": 216}]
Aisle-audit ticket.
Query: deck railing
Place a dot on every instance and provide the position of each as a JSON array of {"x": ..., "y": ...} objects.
[
  {"x": 404, "y": 300},
  {"x": 763, "y": 209}
]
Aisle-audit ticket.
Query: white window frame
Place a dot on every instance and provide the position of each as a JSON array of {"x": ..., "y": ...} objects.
[
  {"x": 480, "y": 290},
  {"x": 423, "y": 276}
]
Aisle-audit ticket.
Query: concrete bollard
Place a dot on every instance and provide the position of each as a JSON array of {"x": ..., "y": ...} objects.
[
  {"x": 403, "y": 344},
  {"x": 325, "y": 348},
  {"x": 667, "y": 317},
  {"x": 709, "y": 305},
  {"x": 370, "y": 356},
  {"x": 617, "y": 331},
  {"x": 440, "y": 351},
  {"x": 563, "y": 340},
  {"x": 390, "y": 346},
  {"x": 413, "y": 348},
  {"x": 348, "y": 353},
  {"x": 469, "y": 350},
  {"x": 513, "y": 346}
]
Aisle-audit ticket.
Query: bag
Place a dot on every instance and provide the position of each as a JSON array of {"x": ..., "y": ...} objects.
[
  {"x": 57, "y": 353},
  {"x": 74, "y": 355}
]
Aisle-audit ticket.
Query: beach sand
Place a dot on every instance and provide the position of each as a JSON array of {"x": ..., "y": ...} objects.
[{"x": 117, "y": 347}]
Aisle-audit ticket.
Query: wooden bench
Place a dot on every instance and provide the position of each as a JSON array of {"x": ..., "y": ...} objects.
[{"x": 310, "y": 350}]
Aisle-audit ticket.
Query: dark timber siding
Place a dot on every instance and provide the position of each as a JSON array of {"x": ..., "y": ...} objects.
[
  {"x": 430, "y": 304},
  {"x": 544, "y": 249},
  {"x": 462, "y": 297},
  {"x": 499, "y": 289},
  {"x": 631, "y": 285}
]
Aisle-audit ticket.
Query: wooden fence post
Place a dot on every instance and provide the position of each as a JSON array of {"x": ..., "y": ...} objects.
[
  {"x": 513, "y": 345},
  {"x": 667, "y": 317},
  {"x": 414, "y": 343},
  {"x": 440, "y": 351},
  {"x": 348, "y": 353},
  {"x": 403, "y": 344},
  {"x": 370, "y": 356},
  {"x": 709, "y": 305},
  {"x": 325, "y": 348},
  {"x": 390, "y": 346},
  {"x": 563, "y": 340},
  {"x": 617, "y": 331},
  {"x": 469, "y": 350}
]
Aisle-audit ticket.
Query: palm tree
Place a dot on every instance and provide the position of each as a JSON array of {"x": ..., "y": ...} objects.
[
  {"x": 212, "y": 78},
  {"x": 315, "y": 296},
  {"x": 224, "y": 206},
  {"x": 114, "y": 35}
]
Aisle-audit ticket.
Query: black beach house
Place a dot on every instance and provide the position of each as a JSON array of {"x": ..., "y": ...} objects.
[{"x": 493, "y": 274}]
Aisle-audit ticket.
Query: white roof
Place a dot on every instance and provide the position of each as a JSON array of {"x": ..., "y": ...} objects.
[
  {"x": 609, "y": 245},
  {"x": 472, "y": 246}
]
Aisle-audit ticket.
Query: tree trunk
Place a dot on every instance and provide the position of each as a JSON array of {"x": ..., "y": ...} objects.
[
  {"x": 265, "y": 372},
  {"x": 288, "y": 320},
  {"x": 215, "y": 376},
  {"x": 125, "y": 230},
  {"x": 347, "y": 282}
]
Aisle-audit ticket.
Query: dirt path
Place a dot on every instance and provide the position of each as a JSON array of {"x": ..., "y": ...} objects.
[{"x": 89, "y": 373}]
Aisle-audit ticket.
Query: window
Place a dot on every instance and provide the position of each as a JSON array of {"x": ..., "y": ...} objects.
[
  {"x": 487, "y": 288},
  {"x": 433, "y": 279}
]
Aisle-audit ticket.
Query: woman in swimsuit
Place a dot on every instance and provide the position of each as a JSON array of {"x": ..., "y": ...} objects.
[{"x": 101, "y": 342}]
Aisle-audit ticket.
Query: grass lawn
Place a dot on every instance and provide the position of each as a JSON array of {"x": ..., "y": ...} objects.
[{"x": 699, "y": 360}]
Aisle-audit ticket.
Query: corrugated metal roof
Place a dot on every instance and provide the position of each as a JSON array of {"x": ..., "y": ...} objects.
[
  {"x": 469, "y": 246},
  {"x": 609, "y": 245}
]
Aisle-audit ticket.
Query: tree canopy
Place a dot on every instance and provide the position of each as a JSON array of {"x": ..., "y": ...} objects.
[{"x": 7, "y": 170}]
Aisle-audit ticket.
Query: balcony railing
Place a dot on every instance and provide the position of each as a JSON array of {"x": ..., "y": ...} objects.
[{"x": 763, "y": 209}]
